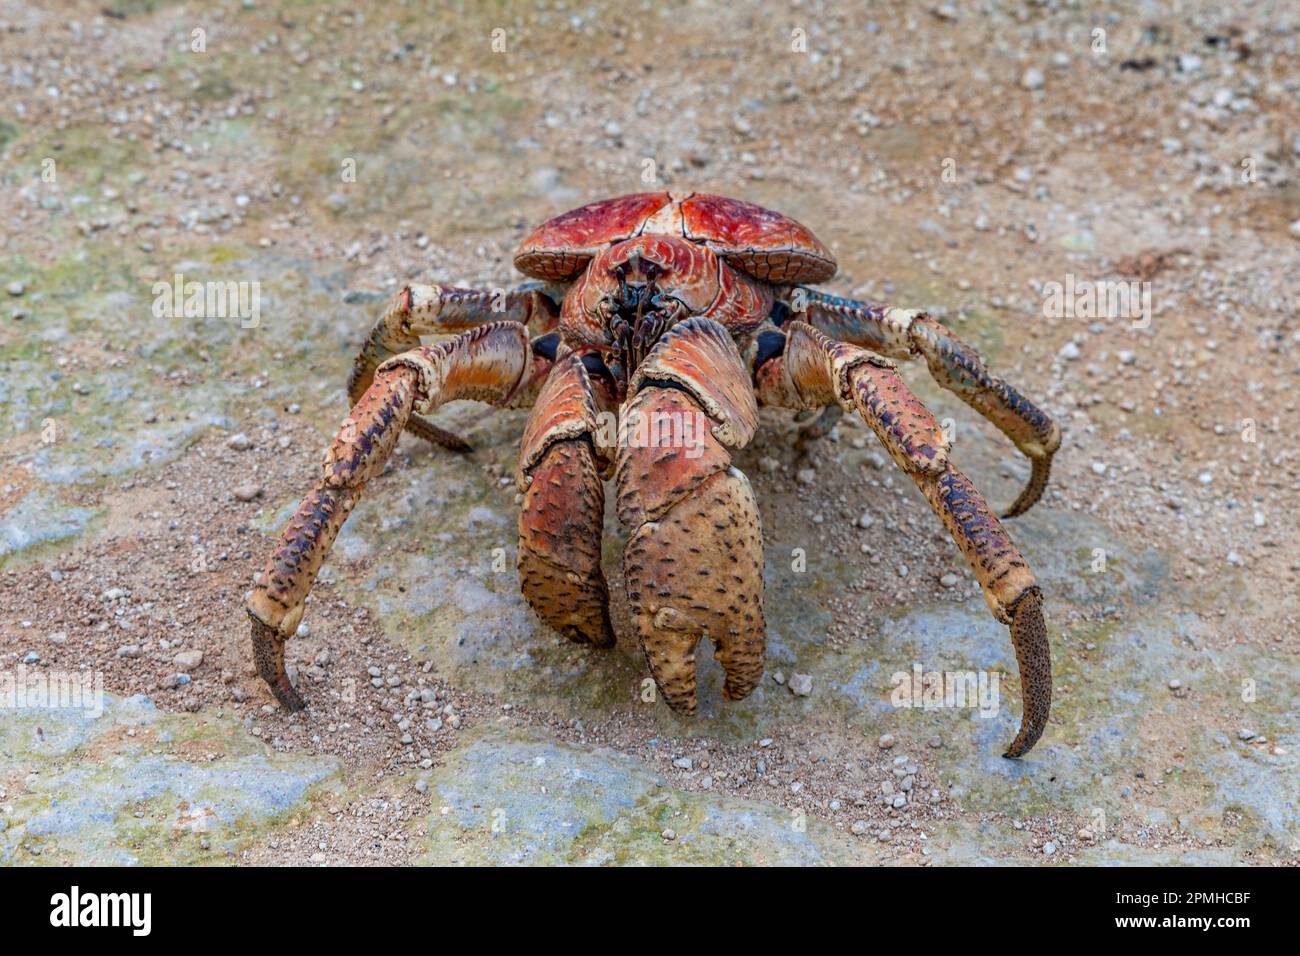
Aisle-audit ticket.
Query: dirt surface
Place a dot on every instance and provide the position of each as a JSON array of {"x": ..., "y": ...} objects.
[{"x": 959, "y": 159}]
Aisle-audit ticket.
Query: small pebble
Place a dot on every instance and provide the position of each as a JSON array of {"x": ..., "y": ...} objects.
[
  {"x": 248, "y": 492},
  {"x": 187, "y": 661}
]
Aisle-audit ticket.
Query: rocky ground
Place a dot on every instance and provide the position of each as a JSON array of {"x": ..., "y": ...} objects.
[{"x": 962, "y": 158}]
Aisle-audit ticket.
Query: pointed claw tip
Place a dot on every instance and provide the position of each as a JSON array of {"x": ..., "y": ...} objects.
[
  {"x": 268, "y": 654},
  {"x": 1033, "y": 654},
  {"x": 1017, "y": 749},
  {"x": 289, "y": 698},
  {"x": 1040, "y": 471}
]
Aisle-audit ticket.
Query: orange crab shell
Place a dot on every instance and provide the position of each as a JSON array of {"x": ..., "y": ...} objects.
[{"x": 765, "y": 245}]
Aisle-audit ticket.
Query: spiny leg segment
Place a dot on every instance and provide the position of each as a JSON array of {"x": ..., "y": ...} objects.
[
  {"x": 492, "y": 363},
  {"x": 802, "y": 368},
  {"x": 906, "y": 333}
]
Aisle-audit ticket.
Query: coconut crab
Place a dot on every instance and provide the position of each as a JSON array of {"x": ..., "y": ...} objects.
[{"x": 664, "y": 308}]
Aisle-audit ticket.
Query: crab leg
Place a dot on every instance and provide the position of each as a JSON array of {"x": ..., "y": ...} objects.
[
  {"x": 813, "y": 371},
  {"x": 694, "y": 558},
  {"x": 492, "y": 363},
  {"x": 561, "y": 465},
  {"x": 441, "y": 310},
  {"x": 905, "y": 333}
]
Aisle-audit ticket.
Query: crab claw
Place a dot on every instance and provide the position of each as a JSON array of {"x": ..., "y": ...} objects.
[
  {"x": 697, "y": 572},
  {"x": 694, "y": 558},
  {"x": 268, "y": 653},
  {"x": 1029, "y": 635}
]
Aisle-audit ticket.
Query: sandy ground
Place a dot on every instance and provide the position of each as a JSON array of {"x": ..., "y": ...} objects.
[{"x": 954, "y": 158}]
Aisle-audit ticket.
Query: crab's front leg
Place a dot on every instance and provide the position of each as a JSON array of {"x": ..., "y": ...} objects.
[
  {"x": 694, "y": 558},
  {"x": 955, "y": 365},
  {"x": 803, "y": 368},
  {"x": 421, "y": 309},
  {"x": 493, "y": 363}
]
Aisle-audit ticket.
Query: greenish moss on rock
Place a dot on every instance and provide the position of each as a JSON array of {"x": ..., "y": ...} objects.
[{"x": 521, "y": 796}]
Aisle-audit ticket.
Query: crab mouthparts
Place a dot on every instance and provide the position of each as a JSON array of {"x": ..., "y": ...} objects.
[
  {"x": 634, "y": 339},
  {"x": 636, "y": 326}
]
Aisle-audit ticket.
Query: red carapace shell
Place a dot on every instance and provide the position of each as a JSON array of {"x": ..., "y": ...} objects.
[{"x": 764, "y": 244}]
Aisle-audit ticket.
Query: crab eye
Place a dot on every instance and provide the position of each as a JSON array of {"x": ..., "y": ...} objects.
[
  {"x": 619, "y": 272},
  {"x": 651, "y": 270}
]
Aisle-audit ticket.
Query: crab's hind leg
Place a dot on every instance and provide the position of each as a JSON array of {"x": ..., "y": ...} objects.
[
  {"x": 561, "y": 465},
  {"x": 492, "y": 363},
  {"x": 810, "y": 370},
  {"x": 694, "y": 558},
  {"x": 443, "y": 310},
  {"x": 905, "y": 333}
]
